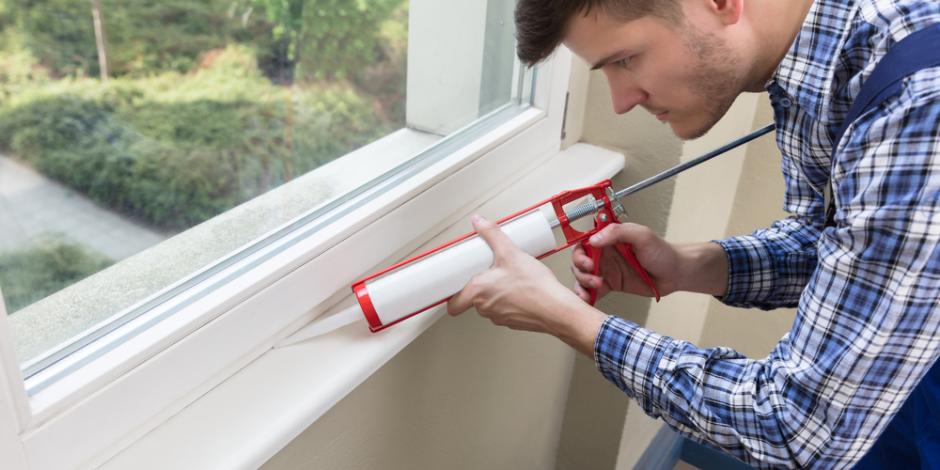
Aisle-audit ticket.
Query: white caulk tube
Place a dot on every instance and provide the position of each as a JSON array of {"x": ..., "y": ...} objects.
[{"x": 428, "y": 280}]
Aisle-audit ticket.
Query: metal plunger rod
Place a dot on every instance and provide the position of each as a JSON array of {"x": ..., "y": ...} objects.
[{"x": 587, "y": 209}]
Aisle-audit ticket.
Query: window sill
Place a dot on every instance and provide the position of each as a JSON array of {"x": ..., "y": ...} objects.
[{"x": 254, "y": 413}]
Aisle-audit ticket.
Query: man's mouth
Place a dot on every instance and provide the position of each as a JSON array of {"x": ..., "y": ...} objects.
[{"x": 662, "y": 116}]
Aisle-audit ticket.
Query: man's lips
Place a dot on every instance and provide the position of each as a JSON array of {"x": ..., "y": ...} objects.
[{"x": 660, "y": 114}]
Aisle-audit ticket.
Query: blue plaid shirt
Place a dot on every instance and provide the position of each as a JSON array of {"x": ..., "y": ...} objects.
[{"x": 866, "y": 290}]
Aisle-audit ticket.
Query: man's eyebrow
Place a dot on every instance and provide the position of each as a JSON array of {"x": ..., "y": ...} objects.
[{"x": 604, "y": 61}]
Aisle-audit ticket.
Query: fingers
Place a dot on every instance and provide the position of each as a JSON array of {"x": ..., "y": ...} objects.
[
  {"x": 582, "y": 267},
  {"x": 586, "y": 279},
  {"x": 502, "y": 246},
  {"x": 580, "y": 260},
  {"x": 494, "y": 236},
  {"x": 581, "y": 293},
  {"x": 471, "y": 294},
  {"x": 461, "y": 301}
]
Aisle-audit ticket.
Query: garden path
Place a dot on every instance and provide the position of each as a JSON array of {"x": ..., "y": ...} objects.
[{"x": 32, "y": 205}]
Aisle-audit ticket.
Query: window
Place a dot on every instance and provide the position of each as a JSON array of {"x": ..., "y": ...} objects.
[
  {"x": 222, "y": 291},
  {"x": 121, "y": 136}
]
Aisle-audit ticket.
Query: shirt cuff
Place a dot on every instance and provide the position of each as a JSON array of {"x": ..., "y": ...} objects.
[
  {"x": 628, "y": 356},
  {"x": 744, "y": 259}
]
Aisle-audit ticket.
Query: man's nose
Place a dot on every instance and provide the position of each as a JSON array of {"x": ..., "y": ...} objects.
[{"x": 625, "y": 95}]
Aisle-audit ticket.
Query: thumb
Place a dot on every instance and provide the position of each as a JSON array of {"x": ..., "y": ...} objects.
[
  {"x": 493, "y": 235},
  {"x": 618, "y": 233}
]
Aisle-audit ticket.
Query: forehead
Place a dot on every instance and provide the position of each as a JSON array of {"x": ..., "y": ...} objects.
[{"x": 596, "y": 35}]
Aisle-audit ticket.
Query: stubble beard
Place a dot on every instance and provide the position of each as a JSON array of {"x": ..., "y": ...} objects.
[{"x": 712, "y": 77}]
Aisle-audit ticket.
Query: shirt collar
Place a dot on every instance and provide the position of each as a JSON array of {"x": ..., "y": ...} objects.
[{"x": 807, "y": 71}]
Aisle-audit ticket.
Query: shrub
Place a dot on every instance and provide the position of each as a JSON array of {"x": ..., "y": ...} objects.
[
  {"x": 58, "y": 33},
  {"x": 19, "y": 68},
  {"x": 46, "y": 267}
]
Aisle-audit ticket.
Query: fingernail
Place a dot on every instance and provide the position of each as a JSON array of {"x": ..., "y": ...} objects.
[
  {"x": 595, "y": 239},
  {"x": 475, "y": 218}
]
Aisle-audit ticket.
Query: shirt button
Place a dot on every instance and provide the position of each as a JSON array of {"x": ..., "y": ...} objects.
[{"x": 786, "y": 103}]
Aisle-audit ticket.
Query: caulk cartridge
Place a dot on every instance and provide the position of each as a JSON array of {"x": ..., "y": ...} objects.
[{"x": 429, "y": 279}]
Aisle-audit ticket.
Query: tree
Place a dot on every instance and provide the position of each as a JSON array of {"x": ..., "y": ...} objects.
[
  {"x": 100, "y": 41},
  {"x": 324, "y": 39},
  {"x": 287, "y": 18}
]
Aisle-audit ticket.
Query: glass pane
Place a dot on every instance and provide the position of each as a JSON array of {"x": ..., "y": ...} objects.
[{"x": 136, "y": 137}]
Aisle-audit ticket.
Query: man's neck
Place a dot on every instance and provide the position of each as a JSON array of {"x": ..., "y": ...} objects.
[{"x": 777, "y": 22}]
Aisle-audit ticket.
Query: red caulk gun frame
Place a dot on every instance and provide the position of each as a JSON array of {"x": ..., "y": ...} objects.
[{"x": 606, "y": 209}]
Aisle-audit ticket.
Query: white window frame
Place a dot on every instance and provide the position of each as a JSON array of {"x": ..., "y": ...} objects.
[{"x": 94, "y": 412}]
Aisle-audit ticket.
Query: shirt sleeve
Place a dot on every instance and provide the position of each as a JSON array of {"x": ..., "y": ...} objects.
[
  {"x": 769, "y": 268},
  {"x": 867, "y": 326}
]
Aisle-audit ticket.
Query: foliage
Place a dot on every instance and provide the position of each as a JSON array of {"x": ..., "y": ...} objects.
[
  {"x": 326, "y": 39},
  {"x": 48, "y": 266},
  {"x": 175, "y": 150},
  {"x": 6, "y": 16},
  {"x": 57, "y": 32},
  {"x": 143, "y": 36},
  {"x": 342, "y": 36},
  {"x": 295, "y": 39},
  {"x": 384, "y": 78},
  {"x": 18, "y": 71}
]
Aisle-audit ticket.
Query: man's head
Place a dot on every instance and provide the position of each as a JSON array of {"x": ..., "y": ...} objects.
[{"x": 678, "y": 59}]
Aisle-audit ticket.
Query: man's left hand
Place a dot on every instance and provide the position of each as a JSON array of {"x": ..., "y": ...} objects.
[{"x": 520, "y": 292}]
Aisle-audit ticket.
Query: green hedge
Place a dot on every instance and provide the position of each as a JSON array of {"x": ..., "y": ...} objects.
[
  {"x": 48, "y": 266},
  {"x": 175, "y": 150}
]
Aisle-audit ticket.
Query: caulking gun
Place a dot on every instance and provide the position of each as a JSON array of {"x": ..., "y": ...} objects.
[{"x": 431, "y": 278}]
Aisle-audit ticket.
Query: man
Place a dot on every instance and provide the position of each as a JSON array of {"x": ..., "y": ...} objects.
[{"x": 866, "y": 285}]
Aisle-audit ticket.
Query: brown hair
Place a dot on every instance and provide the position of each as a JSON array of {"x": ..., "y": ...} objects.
[{"x": 542, "y": 24}]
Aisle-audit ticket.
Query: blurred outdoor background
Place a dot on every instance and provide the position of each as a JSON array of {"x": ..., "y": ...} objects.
[{"x": 162, "y": 114}]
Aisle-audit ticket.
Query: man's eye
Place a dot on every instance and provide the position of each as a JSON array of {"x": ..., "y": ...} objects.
[{"x": 622, "y": 62}]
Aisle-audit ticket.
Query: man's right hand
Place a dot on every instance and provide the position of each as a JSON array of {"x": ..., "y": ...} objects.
[{"x": 699, "y": 267}]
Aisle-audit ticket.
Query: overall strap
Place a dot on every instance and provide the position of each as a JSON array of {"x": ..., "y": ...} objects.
[
  {"x": 917, "y": 51},
  {"x": 912, "y": 438}
]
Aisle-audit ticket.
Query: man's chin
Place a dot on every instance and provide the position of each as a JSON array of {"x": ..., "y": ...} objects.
[{"x": 691, "y": 130}]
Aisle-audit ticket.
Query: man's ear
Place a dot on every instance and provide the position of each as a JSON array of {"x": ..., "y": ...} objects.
[{"x": 727, "y": 11}]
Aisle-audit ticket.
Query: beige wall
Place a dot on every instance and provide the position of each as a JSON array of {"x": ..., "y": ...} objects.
[{"x": 759, "y": 202}]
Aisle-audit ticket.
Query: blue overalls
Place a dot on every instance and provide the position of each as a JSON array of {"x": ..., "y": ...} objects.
[{"x": 912, "y": 438}]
